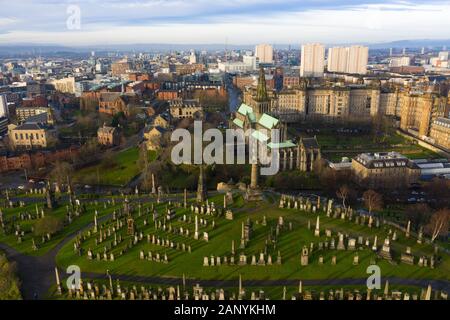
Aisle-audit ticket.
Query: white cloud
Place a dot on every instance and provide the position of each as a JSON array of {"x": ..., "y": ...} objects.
[
  {"x": 365, "y": 23},
  {"x": 8, "y": 21}
]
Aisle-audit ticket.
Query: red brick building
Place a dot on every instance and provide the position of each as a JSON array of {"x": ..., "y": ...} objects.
[
  {"x": 35, "y": 160},
  {"x": 243, "y": 81},
  {"x": 136, "y": 76},
  {"x": 291, "y": 81},
  {"x": 168, "y": 94},
  {"x": 115, "y": 102}
]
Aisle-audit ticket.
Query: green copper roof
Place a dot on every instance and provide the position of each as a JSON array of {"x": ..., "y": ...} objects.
[
  {"x": 244, "y": 109},
  {"x": 260, "y": 136},
  {"x": 268, "y": 121},
  {"x": 239, "y": 123},
  {"x": 281, "y": 145}
]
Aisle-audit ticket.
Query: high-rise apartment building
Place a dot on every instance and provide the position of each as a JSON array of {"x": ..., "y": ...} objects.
[
  {"x": 348, "y": 59},
  {"x": 358, "y": 57},
  {"x": 251, "y": 61},
  {"x": 312, "y": 60},
  {"x": 264, "y": 52},
  {"x": 337, "y": 59}
]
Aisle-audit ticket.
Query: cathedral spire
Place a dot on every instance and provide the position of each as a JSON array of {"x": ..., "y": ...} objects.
[{"x": 261, "y": 90}]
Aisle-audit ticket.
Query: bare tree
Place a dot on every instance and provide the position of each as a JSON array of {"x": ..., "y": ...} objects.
[
  {"x": 439, "y": 223},
  {"x": 344, "y": 193},
  {"x": 61, "y": 171},
  {"x": 373, "y": 200}
]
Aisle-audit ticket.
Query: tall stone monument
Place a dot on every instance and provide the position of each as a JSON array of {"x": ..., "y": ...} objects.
[
  {"x": 202, "y": 193},
  {"x": 253, "y": 192},
  {"x": 50, "y": 196}
]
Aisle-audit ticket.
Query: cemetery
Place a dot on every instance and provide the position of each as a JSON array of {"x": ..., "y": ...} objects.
[{"x": 194, "y": 238}]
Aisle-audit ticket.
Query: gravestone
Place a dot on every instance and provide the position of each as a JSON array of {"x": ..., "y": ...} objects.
[
  {"x": 356, "y": 259},
  {"x": 385, "y": 251},
  {"x": 341, "y": 245},
  {"x": 407, "y": 257},
  {"x": 229, "y": 215},
  {"x": 351, "y": 244},
  {"x": 304, "y": 256}
]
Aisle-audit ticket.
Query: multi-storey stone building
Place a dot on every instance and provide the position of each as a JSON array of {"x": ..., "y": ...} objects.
[
  {"x": 114, "y": 102},
  {"x": 24, "y": 113},
  {"x": 332, "y": 101},
  {"x": 419, "y": 110},
  {"x": 30, "y": 136},
  {"x": 384, "y": 170},
  {"x": 181, "y": 109},
  {"x": 440, "y": 132},
  {"x": 108, "y": 136},
  {"x": 328, "y": 101}
]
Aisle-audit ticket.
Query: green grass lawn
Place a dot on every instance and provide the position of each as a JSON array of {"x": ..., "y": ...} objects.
[
  {"x": 126, "y": 168},
  {"x": 26, "y": 245},
  {"x": 289, "y": 244},
  {"x": 335, "y": 146},
  {"x": 9, "y": 283}
]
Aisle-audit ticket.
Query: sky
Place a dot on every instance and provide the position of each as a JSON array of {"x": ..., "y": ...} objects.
[{"x": 240, "y": 22}]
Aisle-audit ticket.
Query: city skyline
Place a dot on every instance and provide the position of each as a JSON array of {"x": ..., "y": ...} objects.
[{"x": 179, "y": 22}]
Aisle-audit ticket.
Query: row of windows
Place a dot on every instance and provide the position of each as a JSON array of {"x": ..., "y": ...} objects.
[{"x": 28, "y": 136}]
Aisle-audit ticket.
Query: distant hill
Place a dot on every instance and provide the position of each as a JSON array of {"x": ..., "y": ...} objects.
[
  {"x": 412, "y": 44},
  {"x": 35, "y": 49}
]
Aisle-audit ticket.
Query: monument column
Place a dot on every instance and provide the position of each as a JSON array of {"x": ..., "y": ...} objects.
[
  {"x": 254, "y": 176},
  {"x": 201, "y": 189}
]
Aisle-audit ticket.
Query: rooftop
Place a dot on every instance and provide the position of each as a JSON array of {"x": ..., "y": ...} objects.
[
  {"x": 184, "y": 103},
  {"x": 384, "y": 160},
  {"x": 31, "y": 126},
  {"x": 444, "y": 122},
  {"x": 268, "y": 121},
  {"x": 106, "y": 130}
]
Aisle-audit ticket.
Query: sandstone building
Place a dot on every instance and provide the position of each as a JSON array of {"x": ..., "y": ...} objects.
[
  {"x": 384, "y": 170},
  {"x": 108, "y": 136}
]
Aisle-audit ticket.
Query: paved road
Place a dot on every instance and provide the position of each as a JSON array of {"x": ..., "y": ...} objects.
[{"x": 37, "y": 274}]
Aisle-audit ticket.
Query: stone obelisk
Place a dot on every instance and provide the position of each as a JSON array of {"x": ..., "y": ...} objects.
[
  {"x": 153, "y": 184},
  {"x": 58, "y": 282},
  {"x": 202, "y": 193}
]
